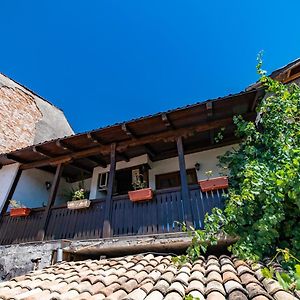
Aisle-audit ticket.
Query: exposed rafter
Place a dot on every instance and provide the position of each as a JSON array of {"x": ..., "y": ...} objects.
[
  {"x": 81, "y": 166},
  {"x": 209, "y": 109},
  {"x": 150, "y": 151},
  {"x": 258, "y": 96},
  {"x": 95, "y": 139},
  {"x": 153, "y": 138},
  {"x": 62, "y": 145},
  {"x": 167, "y": 121},
  {"x": 14, "y": 158},
  {"x": 123, "y": 156},
  {"x": 212, "y": 136},
  {"x": 98, "y": 160},
  {"x": 128, "y": 131},
  {"x": 41, "y": 152}
]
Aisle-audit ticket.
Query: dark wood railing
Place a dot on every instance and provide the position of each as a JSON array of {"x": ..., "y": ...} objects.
[{"x": 128, "y": 218}]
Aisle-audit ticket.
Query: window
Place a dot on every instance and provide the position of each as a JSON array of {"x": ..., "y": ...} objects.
[
  {"x": 102, "y": 181},
  {"x": 169, "y": 180}
]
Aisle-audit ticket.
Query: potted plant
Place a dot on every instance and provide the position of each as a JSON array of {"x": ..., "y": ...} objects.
[
  {"x": 79, "y": 199},
  {"x": 141, "y": 192},
  {"x": 18, "y": 210},
  {"x": 211, "y": 184}
]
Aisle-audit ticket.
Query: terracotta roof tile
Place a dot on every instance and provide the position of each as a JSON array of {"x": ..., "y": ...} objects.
[{"x": 147, "y": 277}]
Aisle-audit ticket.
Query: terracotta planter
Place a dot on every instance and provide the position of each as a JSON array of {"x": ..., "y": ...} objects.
[
  {"x": 19, "y": 212},
  {"x": 78, "y": 204},
  {"x": 140, "y": 195},
  {"x": 213, "y": 184}
]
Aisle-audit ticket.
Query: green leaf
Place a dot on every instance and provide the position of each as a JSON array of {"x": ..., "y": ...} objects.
[
  {"x": 282, "y": 281},
  {"x": 297, "y": 284},
  {"x": 267, "y": 273},
  {"x": 297, "y": 268}
]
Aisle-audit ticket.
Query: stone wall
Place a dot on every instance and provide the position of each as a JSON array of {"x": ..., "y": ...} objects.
[
  {"x": 26, "y": 118},
  {"x": 16, "y": 260},
  {"x": 18, "y": 117}
]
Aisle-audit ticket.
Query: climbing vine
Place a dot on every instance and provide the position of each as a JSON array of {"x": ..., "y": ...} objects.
[{"x": 263, "y": 203}]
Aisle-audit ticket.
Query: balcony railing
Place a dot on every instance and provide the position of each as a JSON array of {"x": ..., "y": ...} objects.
[{"x": 160, "y": 215}]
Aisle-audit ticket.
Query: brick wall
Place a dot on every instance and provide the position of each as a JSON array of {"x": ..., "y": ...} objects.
[{"x": 18, "y": 117}]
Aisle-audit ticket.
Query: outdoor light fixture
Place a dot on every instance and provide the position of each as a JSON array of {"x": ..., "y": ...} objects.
[
  {"x": 48, "y": 185},
  {"x": 197, "y": 166}
]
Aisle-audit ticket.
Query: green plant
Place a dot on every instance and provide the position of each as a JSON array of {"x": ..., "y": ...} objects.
[
  {"x": 16, "y": 204},
  {"x": 79, "y": 195},
  {"x": 263, "y": 203},
  {"x": 139, "y": 183},
  {"x": 209, "y": 174},
  {"x": 290, "y": 279}
]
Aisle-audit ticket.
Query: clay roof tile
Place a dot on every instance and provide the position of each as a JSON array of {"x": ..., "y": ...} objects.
[{"x": 147, "y": 277}]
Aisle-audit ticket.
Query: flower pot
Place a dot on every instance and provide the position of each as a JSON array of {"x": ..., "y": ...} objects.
[
  {"x": 19, "y": 212},
  {"x": 78, "y": 204},
  {"x": 140, "y": 195},
  {"x": 214, "y": 184}
]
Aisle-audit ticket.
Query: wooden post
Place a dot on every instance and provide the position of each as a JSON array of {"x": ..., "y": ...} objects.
[
  {"x": 184, "y": 183},
  {"x": 11, "y": 193},
  {"x": 51, "y": 199},
  {"x": 107, "y": 230}
]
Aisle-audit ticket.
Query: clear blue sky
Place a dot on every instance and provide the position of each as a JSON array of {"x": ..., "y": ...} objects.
[{"x": 106, "y": 61}]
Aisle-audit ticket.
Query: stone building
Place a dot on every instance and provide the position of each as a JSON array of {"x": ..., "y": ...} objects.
[{"x": 26, "y": 118}]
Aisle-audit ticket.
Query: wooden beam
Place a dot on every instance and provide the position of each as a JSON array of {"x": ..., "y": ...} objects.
[
  {"x": 154, "y": 138},
  {"x": 257, "y": 97},
  {"x": 123, "y": 156},
  {"x": 150, "y": 151},
  {"x": 51, "y": 200},
  {"x": 209, "y": 109},
  {"x": 128, "y": 131},
  {"x": 212, "y": 136},
  {"x": 95, "y": 139},
  {"x": 184, "y": 183},
  {"x": 11, "y": 193},
  {"x": 166, "y": 121},
  {"x": 14, "y": 158},
  {"x": 59, "y": 144},
  {"x": 36, "y": 149},
  {"x": 80, "y": 166},
  {"x": 107, "y": 230},
  {"x": 98, "y": 160}
]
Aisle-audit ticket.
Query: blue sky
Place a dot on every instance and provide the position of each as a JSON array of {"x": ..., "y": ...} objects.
[{"x": 106, "y": 61}]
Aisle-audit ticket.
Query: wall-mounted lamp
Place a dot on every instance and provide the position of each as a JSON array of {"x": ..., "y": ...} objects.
[
  {"x": 197, "y": 166},
  {"x": 48, "y": 185}
]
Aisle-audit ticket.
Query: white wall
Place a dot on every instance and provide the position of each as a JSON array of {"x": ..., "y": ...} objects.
[
  {"x": 7, "y": 176},
  {"x": 136, "y": 161},
  {"x": 31, "y": 189},
  {"x": 208, "y": 161}
]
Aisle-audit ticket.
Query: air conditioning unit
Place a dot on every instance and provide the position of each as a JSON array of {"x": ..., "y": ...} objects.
[{"x": 102, "y": 181}]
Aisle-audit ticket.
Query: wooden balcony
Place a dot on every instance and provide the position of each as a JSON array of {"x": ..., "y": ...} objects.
[{"x": 128, "y": 218}]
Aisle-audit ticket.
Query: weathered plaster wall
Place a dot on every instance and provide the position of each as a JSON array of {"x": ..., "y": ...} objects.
[{"x": 15, "y": 260}]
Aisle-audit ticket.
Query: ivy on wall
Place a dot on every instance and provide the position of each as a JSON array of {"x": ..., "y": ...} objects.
[{"x": 263, "y": 204}]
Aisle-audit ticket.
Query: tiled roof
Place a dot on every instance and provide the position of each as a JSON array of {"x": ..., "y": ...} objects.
[{"x": 146, "y": 277}]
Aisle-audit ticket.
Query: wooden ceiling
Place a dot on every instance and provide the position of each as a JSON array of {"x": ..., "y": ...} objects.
[{"x": 154, "y": 135}]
